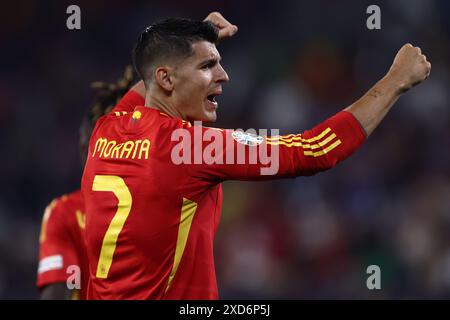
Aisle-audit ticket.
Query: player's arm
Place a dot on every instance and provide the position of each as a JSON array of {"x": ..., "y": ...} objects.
[
  {"x": 56, "y": 252},
  {"x": 329, "y": 142},
  {"x": 234, "y": 155},
  {"x": 56, "y": 291},
  {"x": 410, "y": 67}
]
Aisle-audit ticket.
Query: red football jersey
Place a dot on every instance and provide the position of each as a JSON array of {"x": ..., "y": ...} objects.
[
  {"x": 153, "y": 201},
  {"x": 128, "y": 102},
  {"x": 62, "y": 243}
]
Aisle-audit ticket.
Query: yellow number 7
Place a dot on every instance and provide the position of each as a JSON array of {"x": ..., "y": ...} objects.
[{"x": 117, "y": 186}]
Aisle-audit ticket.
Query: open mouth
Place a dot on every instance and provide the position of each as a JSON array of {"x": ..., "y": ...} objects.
[{"x": 212, "y": 98}]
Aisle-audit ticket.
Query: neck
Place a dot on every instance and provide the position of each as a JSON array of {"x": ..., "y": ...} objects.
[{"x": 155, "y": 102}]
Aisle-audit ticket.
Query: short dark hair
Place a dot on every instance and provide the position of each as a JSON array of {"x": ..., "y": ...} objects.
[{"x": 169, "y": 39}]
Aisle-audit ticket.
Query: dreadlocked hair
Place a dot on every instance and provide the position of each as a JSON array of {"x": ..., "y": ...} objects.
[
  {"x": 109, "y": 94},
  {"x": 107, "y": 97}
]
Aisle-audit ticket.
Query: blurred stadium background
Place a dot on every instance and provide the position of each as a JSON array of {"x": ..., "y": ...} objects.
[{"x": 292, "y": 64}]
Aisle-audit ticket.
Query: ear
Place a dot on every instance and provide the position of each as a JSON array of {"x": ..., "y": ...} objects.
[{"x": 163, "y": 78}]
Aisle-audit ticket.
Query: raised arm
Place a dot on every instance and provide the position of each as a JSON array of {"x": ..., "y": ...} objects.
[
  {"x": 329, "y": 142},
  {"x": 410, "y": 67}
]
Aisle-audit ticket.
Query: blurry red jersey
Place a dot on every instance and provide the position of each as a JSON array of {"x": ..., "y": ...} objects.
[
  {"x": 151, "y": 218},
  {"x": 62, "y": 243}
]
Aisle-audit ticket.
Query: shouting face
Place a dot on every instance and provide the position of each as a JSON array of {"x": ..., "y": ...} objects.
[{"x": 197, "y": 81}]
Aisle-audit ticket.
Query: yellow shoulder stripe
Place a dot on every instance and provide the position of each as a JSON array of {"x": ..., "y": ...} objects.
[
  {"x": 47, "y": 213},
  {"x": 298, "y": 137},
  {"x": 324, "y": 151},
  {"x": 292, "y": 140}
]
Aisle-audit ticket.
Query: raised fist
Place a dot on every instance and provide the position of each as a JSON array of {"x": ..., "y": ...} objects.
[
  {"x": 410, "y": 67},
  {"x": 226, "y": 29}
]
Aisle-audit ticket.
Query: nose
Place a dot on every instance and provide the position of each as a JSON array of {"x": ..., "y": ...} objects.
[{"x": 222, "y": 76}]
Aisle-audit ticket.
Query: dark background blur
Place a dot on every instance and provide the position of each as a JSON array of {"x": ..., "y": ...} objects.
[{"x": 292, "y": 64}]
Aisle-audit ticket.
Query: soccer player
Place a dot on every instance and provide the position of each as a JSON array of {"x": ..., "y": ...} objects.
[
  {"x": 151, "y": 218},
  {"x": 61, "y": 240}
]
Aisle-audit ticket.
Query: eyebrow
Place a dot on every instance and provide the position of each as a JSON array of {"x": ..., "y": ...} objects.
[{"x": 210, "y": 60}]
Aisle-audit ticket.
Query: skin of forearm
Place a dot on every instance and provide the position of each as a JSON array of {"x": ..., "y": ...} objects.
[
  {"x": 371, "y": 108},
  {"x": 56, "y": 291}
]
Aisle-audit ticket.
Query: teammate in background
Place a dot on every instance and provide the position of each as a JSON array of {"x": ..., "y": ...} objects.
[
  {"x": 151, "y": 220},
  {"x": 62, "y": 232}
]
